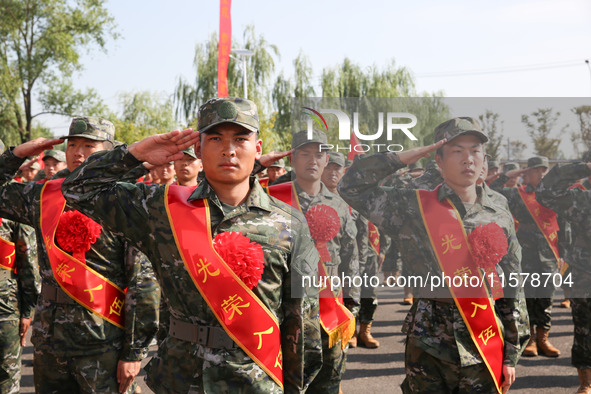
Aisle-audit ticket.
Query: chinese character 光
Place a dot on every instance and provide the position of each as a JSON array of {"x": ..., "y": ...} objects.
[
  {"x": 204, "y": 267},
  {"x": 448, "y": 242}
]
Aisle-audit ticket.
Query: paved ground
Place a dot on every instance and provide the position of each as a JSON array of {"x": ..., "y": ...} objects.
[{"x": 382, "y": 370}]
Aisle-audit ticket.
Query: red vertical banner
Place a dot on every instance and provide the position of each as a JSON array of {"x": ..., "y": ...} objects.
[
  {"x": 224, "y": 46},
  {"x": 353, "y": 143}
]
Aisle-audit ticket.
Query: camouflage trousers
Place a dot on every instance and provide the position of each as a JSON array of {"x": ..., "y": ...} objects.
[
  {"x": 428, "y": 374},
  {"x": 81, "y": 374},
  {"x": 10, "y": 357},
  {"x": 581, "y": 350},
  {"x": 392, "y": 262},
  {"x": 334, "y": 360},
  {"x": 369, "y": 294},
  {"x": 185, "y": 367},
  {"x": 540, "y": 312}
]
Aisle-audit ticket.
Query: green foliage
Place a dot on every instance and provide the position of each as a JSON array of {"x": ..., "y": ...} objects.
[
  {"x": 493, "y": 127},
  {"x": 40, "y": 50},
  {"x": 144, "y": 113},
  {"x": 539, "y": 125},
  {"x": 583, "y": 136}
]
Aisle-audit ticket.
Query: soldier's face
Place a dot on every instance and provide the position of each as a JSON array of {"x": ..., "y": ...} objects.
[
  {"x": 228, "y": 153},
  {"x": 187, "y": 168},
  {"x": 165, "y": 173},
  {"x": 78, "y": 149},
  {"x": 535, "y": 175},
  {"x": 52, "y": 166},
  {"x": 332, "y": 174},
  {"x": 309, "y": 163},
  {"x": 462, "y": 161},
  {"x": 28, "y": 174},
  {"x": 274, "y": 173}
]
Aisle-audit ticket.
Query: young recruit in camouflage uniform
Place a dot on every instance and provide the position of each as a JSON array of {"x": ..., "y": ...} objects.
[
  {"x": 138, "y": 211},
  {"x": 575, "y": 206},
  {"x": 440, "y": 353},
  {"x": 537, "y": 255},
  {"x": 74, "y": 348},
  {"x": 18, "y": 296},
  {"x": 344, "y": 260}
]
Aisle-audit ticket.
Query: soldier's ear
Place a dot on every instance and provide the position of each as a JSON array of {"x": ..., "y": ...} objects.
[
  {"x": 259, "y": 148},
  {"x": 197, "y": 147}
]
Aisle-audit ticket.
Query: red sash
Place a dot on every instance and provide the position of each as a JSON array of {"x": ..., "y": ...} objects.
[
  {"x": 83, "y": 284},
  {"x": 264, "y": 182},
  {"x": 374, "y": 237},
  {"x": 336, "y": 320},
  {"x": 239, "y": 311},
  {"x": 7, "y": 253},
  {"x": 545, "y": 220},
  {"x": 578, "y": 186},
  {"x": 450, "y": 244}
]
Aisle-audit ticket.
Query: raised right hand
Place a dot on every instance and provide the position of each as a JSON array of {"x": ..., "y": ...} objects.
[{"x": 35, "y": 147}]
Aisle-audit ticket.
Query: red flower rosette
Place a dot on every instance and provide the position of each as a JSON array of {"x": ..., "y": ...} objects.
[
  {"x": 324, "y": 224},
  {"x": 488, "y": 244},
  {"x": 244, "y": 257},
  {"x": 76, "y": 232}
]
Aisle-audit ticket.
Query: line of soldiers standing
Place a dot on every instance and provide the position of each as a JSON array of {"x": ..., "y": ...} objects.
[{"x": 81, "y": 346}]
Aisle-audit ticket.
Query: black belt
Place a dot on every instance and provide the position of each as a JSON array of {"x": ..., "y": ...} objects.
[
  {"x": 56, "y": 294},
  {"x": 208, "y": 336},
  {"x": 6, "y": 274}
]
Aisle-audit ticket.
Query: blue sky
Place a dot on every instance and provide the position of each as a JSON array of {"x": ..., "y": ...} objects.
[{"x": 463, "y": 48}]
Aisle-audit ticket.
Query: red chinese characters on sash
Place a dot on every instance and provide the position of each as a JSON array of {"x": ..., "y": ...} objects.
[
  {"x": 544, "y": 218},
  {"x": 83, "y": 284},
  {"x": 7, "y": 253},
  {"x": 264, "y": 182},
  {"x": 450, "y": 244},
  {"x": 336, "y": 320},
  {"x": 239, "y": 311}
]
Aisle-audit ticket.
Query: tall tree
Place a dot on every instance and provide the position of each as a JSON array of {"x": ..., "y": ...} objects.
[
  {"x": 144, "y": 113},
  {"x": 583, "y": 136},
  {"x": 539, "y": 125},
  {"x": 39, "y": 52},
  {"x": 260, "y": 68},
  {"x": 493, "y": 127}
]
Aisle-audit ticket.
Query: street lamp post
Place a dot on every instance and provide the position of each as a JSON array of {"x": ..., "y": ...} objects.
[{"x": 243, "y": 53}]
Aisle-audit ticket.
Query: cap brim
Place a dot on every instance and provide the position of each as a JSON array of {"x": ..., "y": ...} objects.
[
  {"x": 246, "y": 126},
  {"x": 476, "y": 133},
  {"x": 87, "y": 136},
  {"x": 310, "y": 142}
]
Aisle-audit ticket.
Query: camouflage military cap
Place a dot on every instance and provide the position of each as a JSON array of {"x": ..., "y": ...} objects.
[
  {"x": 279, "y": 164},
  {"x": 459, "y": 126},
  {"x": 228, "y": 110},
  {"x": 93, "y": 128},
  {"x": 587, "y": 156},
  {"x": 300, "y": 138},
  {"x": 35, "y": 166},
  {"x": 190, "y": 151},
  {"x": 415, "y": 166},
  {"x": 510, "y": 166},
  {"x": 431, "y": 165},
  {"x": 336, "y": 158},
  {"x": 537, "y": 161},
  {"x": 349, "y": 163},
  {"x": 56, "y": 154},
  {"x": 492, "y": 163}
]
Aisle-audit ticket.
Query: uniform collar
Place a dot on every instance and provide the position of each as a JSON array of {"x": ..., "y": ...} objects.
[
  {"x": 323, "y": 193},
  {"x": 483, "y": 191},
  {"x": 257, "y": 198}
]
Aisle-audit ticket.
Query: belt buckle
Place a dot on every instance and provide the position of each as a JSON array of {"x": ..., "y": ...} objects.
[{"x": 219, "y": 339}]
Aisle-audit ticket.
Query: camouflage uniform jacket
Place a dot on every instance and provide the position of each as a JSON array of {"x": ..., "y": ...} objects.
[
  {"x": 69, "y": 330},
  {"x": 343, "y": 247},
  {"x": 540, "y": 256},
  {"x": 18, "y": 295},
  {"x": 428, "y": 181},
  {"x": 395, "y": 210},
  {"x": 572, "y": 204},
  {"x": 138, "y": 212}
]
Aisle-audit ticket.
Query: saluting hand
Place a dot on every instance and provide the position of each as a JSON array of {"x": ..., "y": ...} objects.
[
  {"x": 515, "y": 173},
  {"x": 269, "y": 158},
  {"x": 163, "y": 148},
  {"x": 35, "y": 147},
  {"x": 413, "y": 155}
]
